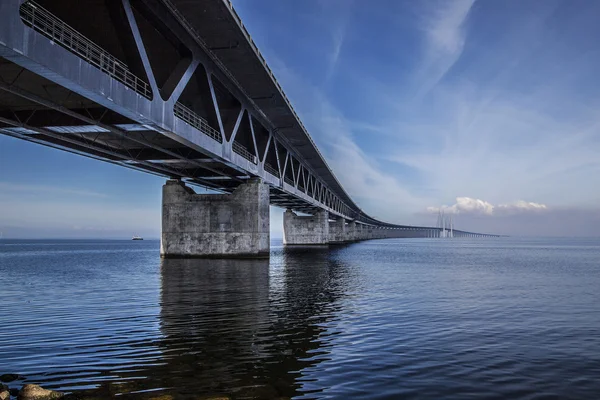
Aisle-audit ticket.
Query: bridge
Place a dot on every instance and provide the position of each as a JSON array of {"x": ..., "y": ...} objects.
[{"x": 178, "y": 88}]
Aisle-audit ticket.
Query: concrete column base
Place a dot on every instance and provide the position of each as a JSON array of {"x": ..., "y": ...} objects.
[
  {"x": 351, "y": 232},
  {"x": 337, "y": 231},
  {"x": 215, "y": 225},
  {"x": 306, "y": 230}
]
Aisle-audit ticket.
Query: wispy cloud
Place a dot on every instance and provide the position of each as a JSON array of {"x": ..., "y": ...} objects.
[
  {"x": 510, "y": 123},
  {"x": 22, "y": 217},
  {"x": 340, "y": 14},
  {"x": 30, "y": 210},
  {"x": 444, "y": 32},
  {"x": 515, "y": 121},
  {"x": 378, "y": 192},
  {"x": 507, "y": 147},
  {"x": 444, "y": 27},
  {"x": 41, "y": 190},
  {"x": 338, "y": 41}
]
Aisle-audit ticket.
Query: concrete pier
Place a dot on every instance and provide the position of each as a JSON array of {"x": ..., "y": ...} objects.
[
  {"x": 306, "y": 230},
  {"x": 215, "y": 225},
  {"x": 351, "y": 235},
  {"x": 337, "y": 231}
]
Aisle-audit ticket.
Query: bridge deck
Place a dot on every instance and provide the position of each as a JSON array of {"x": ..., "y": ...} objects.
[
  {"x": 224, "y": 35},
  {"x": 171, "y": 87}
]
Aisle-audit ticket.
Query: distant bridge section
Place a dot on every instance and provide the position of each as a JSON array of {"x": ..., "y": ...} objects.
[{"x": 175, "y": 88}]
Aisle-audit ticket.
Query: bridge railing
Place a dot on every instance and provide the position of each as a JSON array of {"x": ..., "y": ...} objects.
[
  {"x": 271, "y": 170},
  {"x": 242, "y": 151},
  {"x": 173, "y": 8},
  {"x": 187, "y": 115},
  {"x": 46, "y": 23}
]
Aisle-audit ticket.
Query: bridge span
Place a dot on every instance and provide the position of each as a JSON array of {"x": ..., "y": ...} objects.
[{"x": 177, "y": 88}]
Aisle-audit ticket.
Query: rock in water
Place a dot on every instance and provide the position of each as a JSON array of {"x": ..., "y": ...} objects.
[
  {"x": 35, "y": 392},
  {"x": 8, "y": 377},
  {"x": 4, "y": 395}
]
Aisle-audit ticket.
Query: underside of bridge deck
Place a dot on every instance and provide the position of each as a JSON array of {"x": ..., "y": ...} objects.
[{"x": 132, "y": 82}]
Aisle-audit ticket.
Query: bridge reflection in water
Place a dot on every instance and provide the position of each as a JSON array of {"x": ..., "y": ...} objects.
[{"x": 242, "y": 328}]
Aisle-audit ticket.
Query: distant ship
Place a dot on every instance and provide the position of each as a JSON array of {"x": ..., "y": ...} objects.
[{"x": 137, "y": 238}]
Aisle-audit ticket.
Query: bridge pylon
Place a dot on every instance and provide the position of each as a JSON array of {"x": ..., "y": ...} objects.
[
  {"x": 306, "y": 230},
  {"x": 215, "y": 225}
]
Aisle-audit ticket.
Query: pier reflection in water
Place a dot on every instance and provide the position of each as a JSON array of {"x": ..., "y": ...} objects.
[{"x": 244, "y": 328}]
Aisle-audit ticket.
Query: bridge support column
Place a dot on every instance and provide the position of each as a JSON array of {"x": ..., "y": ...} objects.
[
  {"x": 215, "y": 225},
  {"x": 358, "y": 232},
  {"x": 306, "y": 230},
  {"x": 351, "y": 235},
  {"x": 337, "y": 231},
  {"x": 367, "y": 232}
]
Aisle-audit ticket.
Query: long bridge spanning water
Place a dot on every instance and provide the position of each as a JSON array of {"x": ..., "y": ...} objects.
[{"x": 177, "y": 88}]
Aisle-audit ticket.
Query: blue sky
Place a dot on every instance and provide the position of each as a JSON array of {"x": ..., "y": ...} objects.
[{"x": 488, "y": 108}]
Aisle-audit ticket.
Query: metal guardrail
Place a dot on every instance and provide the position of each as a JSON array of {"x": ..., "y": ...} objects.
[
  {"x": 173, "y": 8},
  {"x": 58, "y": 31},
  {"x": 288, "y": 181},
  {"x": 271, "y": 170},
  {"x": 242, "y": 151},
  {"x": 193, "y": 119},
  {"x": 46, "y": 23}
]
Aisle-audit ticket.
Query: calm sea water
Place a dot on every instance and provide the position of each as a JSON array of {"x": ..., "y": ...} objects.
[{"x": 412, "y": 318}]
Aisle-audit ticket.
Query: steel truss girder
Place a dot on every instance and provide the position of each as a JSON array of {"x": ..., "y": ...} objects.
[
  {"x": 314, "y": 193},
  {"x": 244, "y": 109}
]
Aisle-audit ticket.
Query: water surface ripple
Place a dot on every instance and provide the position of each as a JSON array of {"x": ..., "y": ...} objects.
[{"x": 408, "y": 318}]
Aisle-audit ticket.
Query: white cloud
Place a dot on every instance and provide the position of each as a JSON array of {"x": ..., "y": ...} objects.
[
  {"x": 521, "y": 206},
  {"x": 467, "y": 205}
]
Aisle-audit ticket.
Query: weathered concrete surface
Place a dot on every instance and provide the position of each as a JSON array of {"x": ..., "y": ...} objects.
[
  {"x": 306, "y": 230},
  {"x": 337, "y": 231},
  {"x": 215, "y": 225},
  {"x": 351, "y": 232}
]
